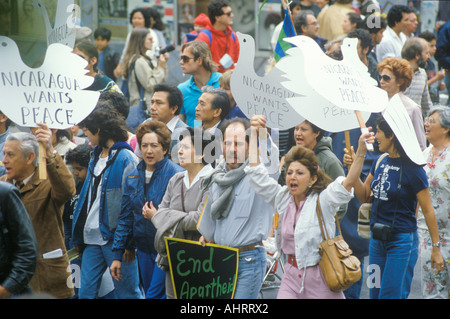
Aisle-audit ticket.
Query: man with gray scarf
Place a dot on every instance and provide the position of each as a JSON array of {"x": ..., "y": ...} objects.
[{"x": 234, "y": 215}]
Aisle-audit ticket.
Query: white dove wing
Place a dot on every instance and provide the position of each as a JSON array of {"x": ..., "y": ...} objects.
[
  {"x": 401, "y": 124},
  {"x": 309, "y": 103},
  {"x": 262, "y": 95},
  {"x": 52, "y": 93},
  {"x": 338, "y": 81}
]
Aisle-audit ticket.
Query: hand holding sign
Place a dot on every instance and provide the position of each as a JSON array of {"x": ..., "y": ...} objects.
[
  {"x": 51, "y": 94},
  {"x": 328, "y": 83},
  {"x": 44, "y": 137}
]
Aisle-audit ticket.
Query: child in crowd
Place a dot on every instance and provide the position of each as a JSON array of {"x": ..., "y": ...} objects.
[{"x": 108, "y": 59}]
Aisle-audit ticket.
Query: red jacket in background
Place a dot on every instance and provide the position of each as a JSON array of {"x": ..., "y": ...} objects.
[{"x": 221, "y": 42}]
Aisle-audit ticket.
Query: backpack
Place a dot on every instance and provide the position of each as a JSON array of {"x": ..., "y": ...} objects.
[{"x": 208, "y": 33}]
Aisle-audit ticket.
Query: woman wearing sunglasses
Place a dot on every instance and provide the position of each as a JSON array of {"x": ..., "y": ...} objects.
[{"x": 395, "y": 77}]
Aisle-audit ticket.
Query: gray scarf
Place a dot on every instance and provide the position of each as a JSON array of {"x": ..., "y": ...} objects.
[{"x": 226, "y": 180}]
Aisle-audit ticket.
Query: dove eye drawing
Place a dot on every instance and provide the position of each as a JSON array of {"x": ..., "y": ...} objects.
[{"x": 52, "y": 93}]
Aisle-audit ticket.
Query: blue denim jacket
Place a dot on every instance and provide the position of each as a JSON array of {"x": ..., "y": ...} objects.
[
  {"x": 121, "y": 161},
  {"x": 132, "y": 224}
]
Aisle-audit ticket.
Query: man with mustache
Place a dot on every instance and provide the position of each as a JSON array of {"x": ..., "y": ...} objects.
[{"x": 417, "y": 52}]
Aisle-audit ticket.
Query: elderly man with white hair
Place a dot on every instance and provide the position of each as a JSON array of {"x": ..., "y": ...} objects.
[{"x": 44, "y": 200}]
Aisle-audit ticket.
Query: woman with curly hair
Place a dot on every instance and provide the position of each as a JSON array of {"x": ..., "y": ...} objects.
[
  {"x": 296, "y": 202},
  {"x": 395, "y": 77},
  {"x": 144, "y": 188}
]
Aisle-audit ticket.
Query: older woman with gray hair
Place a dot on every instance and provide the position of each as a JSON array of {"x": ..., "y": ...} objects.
[{"x": 437, "y": 131}]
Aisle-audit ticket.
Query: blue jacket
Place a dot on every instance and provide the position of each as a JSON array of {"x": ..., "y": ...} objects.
[
  {"x": 121, "y": 161},
  {"x": 132, "y": 224}
]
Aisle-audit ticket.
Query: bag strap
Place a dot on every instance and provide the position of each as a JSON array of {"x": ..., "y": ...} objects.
[{"x": 322, "y": 221}]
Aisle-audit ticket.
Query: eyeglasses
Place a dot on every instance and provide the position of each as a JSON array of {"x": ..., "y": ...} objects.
[
  {"x": 385, "y": 78},
  {"x": 185, "y": 58},
  {"x": 229, "y": 13},
  {"x": 429, "y": 120}
]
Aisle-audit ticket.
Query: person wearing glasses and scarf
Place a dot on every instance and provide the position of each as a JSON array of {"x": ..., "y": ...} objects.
[{"x": 395, "y": 77}]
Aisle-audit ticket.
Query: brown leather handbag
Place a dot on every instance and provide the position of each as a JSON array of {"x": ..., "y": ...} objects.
[{"x": 339, "y": 267}]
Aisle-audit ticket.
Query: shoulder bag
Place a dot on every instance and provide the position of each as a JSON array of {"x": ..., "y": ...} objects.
[{"x": 339, "y": 267}]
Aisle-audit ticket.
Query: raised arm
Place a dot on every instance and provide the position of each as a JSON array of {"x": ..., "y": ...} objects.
[{"x": 355, "y": 164}]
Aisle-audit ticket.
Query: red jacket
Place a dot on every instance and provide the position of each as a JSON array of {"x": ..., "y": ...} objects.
[{"x": 221, "y": 42}]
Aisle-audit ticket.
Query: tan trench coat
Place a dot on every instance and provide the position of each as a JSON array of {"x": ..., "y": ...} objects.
[{"x": 44, "y": 201}]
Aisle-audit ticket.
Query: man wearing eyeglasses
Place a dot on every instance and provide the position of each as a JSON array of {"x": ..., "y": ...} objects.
[
  {"x": 219, "y": 35},
  {"x": 305, "y": 23}
]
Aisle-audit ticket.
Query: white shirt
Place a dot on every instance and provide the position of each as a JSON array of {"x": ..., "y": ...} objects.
[
  {"x": 172, "y": 123},
  {"x": 391, "y": 45},
  {"x": 92, "y": 233},
  {"x": 203, "y": 172}
]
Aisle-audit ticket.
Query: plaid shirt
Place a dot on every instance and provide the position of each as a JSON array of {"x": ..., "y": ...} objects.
[{"x": 418, "y": 91}]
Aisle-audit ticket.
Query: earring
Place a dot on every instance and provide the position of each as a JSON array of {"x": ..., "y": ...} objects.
[{"x": 309, "y": 185}]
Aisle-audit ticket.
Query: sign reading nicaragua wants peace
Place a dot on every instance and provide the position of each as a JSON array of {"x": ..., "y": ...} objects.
[
  {"x": 52, "y": 93},
  {"x": 199, "y": 272}
]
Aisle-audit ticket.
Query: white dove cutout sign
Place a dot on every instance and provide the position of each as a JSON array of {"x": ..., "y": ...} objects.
[
  {"x": 346, "y": 83},
  {"x": 51, "y": 94},
  {"x": 261, "y": 95},
  {"x": 311, "y": 105},
  {"x": 399, "y": 121},
  {"x": 334, "y": 95},
  {"x": 63, "y": 27}
]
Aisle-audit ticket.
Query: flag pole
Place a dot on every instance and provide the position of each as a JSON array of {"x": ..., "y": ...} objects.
[{"x": 286, "y": 6}]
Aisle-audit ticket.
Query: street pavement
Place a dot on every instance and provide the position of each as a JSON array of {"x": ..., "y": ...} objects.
[{"x": 271, "y": 291}]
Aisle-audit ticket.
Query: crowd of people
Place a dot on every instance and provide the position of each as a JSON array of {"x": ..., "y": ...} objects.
[{"x": 153, "y": 159}]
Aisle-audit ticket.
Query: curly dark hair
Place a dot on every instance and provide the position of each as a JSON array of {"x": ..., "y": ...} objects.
[
  {"x": 395, "y": 14},
  {"x": 80, "y": 155},
  {"x": 307, "y": 158},
  {"x": 109, "y": 124},
  {"x": 116, "y": 100},
  {"x": 157, "y": 127}
]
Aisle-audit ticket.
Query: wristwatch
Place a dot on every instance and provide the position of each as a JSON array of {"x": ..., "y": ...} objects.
[{"x": 438, "y": 244}]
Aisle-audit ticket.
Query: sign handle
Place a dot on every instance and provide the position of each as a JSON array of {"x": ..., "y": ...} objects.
[
  {"x": 364, "y": 129},
  {"x": 42, "y": 162}
]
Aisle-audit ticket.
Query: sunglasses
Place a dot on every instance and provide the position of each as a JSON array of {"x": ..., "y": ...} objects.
[
  {"x": 385, "y": 78},
  {"x": 229, "y": 13},
  {"x": 185, "y": 58}
]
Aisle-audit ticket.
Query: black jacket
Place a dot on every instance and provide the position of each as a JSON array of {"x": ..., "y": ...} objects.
[{"x": 18, "y": 247}]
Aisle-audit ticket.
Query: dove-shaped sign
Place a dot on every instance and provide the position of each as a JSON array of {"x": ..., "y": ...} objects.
[
  {"x": 313, "y": 106},
  {"x": 52, "y": 93},
  {"x": 262, "y": 95},
  {"x": 400, "y": 122},
  {"x": 62, "y": 30},
  {"x": 345, "y": 84}
]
